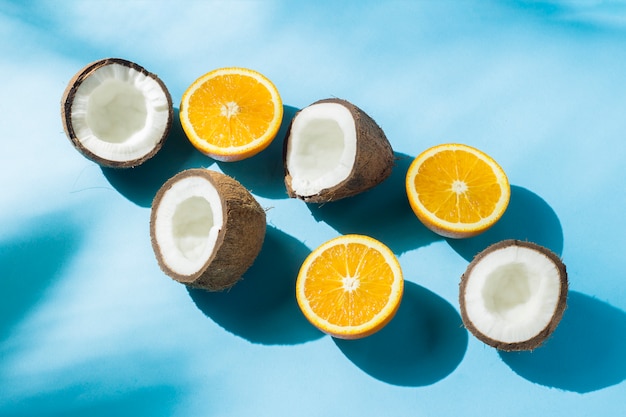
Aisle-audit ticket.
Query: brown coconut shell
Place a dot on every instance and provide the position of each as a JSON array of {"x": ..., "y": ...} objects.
[
  {"x": 537, "y": 340},
  {"x": 68, "y": 99},
  {"x": 238, "y": 243},
  {"x": 373, "y": 163}
]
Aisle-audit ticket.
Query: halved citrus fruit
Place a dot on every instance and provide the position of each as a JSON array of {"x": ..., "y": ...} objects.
[
  {"x": 350, "y": 287},
  {"x": 231, "y": 114},
  {"x": 456, "y": 190}
]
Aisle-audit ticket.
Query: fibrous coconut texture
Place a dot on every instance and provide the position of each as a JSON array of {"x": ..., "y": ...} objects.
[
  {"x": 513, "y": 295},
  {"x": 206, "y": 229},
  {"x": 334, "y": 150},
  {"x": 116, "y": 113}
]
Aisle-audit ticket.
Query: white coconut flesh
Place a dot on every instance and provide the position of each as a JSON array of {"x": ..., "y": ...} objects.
[
  {"x": 321, "y": 149},
  {"x": 512, "y": 294},
  {"x": 188, "y": 220},
  {"x": 119, "y": 114}
]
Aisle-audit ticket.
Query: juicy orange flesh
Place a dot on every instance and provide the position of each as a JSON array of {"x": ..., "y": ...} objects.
[
  {"x": 457, "y": 186},
  {"x": 366, "y": 271},
  {"x": 231, "y": 110}
]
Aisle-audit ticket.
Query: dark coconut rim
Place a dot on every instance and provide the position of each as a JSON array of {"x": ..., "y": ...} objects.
[
  {"x": 545, "y": 333},
  {"x": 185, "y": 279},
  {"x": 68, "y": 100},
  {"x": 373, "y": 161},
  {"x": 239, "y": 239}
]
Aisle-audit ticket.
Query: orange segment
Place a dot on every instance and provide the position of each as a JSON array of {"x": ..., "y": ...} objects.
[
  {"x": 456, "y": 190},
  {"x": 350, "y": 287},
  {"x": 231, "y": 114}
]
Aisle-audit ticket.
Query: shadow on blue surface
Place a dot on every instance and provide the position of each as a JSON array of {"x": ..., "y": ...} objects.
[
  {"x": 30, "y": 263},
  {"x": 140, "y": 184},
  {"x": 423, "y": 344},
  {"x": 262, "y": 308},
  {"x": 382, "y": 212},
  {"x": 528, "y": 217},
  {"x": 264, "y": 173},
  {"x": 585, "y": 352},
  {"x": 76, "y": 402}
]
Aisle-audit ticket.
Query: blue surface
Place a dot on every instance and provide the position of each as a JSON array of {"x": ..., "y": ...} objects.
[{"x": 90, "y": 326}]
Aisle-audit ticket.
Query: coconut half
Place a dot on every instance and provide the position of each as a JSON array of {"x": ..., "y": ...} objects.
[
  {"x": 513, "y": 295},
  {"x": 206, "y": 229},
  {"x": 116, "y": 113},
  {"x": 334, "y": 150}
]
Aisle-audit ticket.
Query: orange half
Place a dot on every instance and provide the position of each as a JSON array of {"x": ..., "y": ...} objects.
[
  {"x": 231, "y": 114},
  {"x": 456, "y": 190},
  {"x": 350, "y": 287}
]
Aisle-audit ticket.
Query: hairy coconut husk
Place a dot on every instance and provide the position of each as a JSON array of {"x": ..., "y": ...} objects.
[
  {"x": 239, "y": 240},
  {"x": 373, "y": 163},
  {"x": 68, "y": 99},
  {"x": 545, "y": 333}
]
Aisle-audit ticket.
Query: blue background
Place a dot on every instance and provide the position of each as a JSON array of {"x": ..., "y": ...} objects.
[{"x": 89, "y": 325}]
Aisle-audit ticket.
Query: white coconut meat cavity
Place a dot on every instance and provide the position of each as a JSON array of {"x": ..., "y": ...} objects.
[
  {"x": 206, "y": 229},
  {"x": 513, "y": 294},
  {"x": 116, "y": 113},
  {"x": 334, "y": 150}
]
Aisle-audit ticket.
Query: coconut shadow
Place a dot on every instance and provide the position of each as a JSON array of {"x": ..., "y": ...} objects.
[
  {"x": 382, "y": 212},
  {"x": 424, "y": 343},
  {"x": 140, "y": 184},
  {"x": 32, "y": 261},
  {"x": 528, "y": 217},
  {"x": 585, "y": 352},
  {"x": 262, "y": 308},
  {"x": 264, "y": 173}
]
